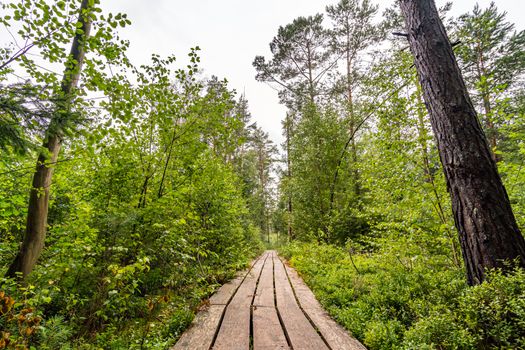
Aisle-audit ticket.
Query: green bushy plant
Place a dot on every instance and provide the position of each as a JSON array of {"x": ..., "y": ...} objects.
[{"x": 409, "y": 296}]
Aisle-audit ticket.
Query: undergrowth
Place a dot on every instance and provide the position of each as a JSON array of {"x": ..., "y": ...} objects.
[
  {"x": 121, "y": 314},
  {"x": 408, "y": 294}
]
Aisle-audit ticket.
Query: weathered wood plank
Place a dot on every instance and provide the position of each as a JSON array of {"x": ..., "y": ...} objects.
[
  {"x": 202, "y": 330},
  {"x": 234, "y": 332},
  {"x": 267, "y": 331},
  {"x": 223, "y": 295},
  {"x": 233, "y": 305},
  {"x": 200, "y": 334},
  {"x": 264, "y": 295},
  {"x": 301, "y": 333},
  {"x": 335, "y": 335}
]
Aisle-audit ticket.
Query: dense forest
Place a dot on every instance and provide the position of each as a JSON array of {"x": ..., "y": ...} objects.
[{"x": 130, "y": 193}]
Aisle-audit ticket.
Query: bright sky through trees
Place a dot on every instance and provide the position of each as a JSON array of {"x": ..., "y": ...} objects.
[{"x": 232, "y": 32}]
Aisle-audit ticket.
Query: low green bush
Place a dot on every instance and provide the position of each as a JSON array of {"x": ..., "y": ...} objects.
[{"x": 410, "y": 296}]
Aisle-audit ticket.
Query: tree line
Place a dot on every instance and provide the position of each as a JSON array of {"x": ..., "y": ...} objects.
[
  {"x": 359, "y": 143},
  {"x": 128, "y": 192}
]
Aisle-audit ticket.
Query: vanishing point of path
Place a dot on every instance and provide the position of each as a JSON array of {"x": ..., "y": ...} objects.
[{"x": 266, "y": 308}]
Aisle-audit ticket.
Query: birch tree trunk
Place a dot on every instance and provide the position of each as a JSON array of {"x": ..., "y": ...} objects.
[{"x": 36, "y": 226}]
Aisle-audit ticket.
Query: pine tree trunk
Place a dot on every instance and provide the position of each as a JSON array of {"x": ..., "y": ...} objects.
[
  {"x": 39, "y": 196},
  {"x": 483, "y": 216}
]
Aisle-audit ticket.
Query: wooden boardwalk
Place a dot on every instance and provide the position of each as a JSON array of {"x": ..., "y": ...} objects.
[{"x": 268, "y": 307}]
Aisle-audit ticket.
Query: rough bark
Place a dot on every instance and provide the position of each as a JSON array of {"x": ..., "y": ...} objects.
[
  {"x": 39, "y": 196},
  {"x": 483, "y": 216}
]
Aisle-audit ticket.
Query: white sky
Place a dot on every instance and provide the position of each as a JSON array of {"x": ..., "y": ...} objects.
[{"x": 231, "y": 33}]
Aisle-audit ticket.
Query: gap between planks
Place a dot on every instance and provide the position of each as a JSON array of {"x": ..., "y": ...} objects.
[
  {"x": 268, "y": 332},
  {"x": 334, "y": 335},
  {"x": 270, "y": 307},
  {"x": 234, "y": 330},
  {"x": 204, "y": 328}
]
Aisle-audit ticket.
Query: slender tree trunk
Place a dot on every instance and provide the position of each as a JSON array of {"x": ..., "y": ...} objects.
[
  {"x": 422, "y": 137},
  {"x": 144, "y": 192},
  {"x": 351, "y": 117},
  {"x": 489, "y": 125},
  {"x": 422, "y": 134},
  {"x": 485, "y": 96},
  {"x": 288, "y": 131},
  {"x": 165, "y": 168},
  {"x": 261, "y": 160},
  {"x": 267, "y": 223},
  {"x": 39, "y": 196},
  {"x": 311, "y": 88},
  {"x": 487, "y": 228}
]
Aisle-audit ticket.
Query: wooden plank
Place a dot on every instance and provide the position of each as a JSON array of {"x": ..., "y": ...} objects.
[
  {"x": 202, "y": 330},
  {"x": 264, "y": 294},
  {"x": 335, "y": 335},
  {"x": 267, "y": 331},
  {"x": 234, "y": 332},
  {"x": 223, "y": 295},
  {"x": 301, "y": 333}
]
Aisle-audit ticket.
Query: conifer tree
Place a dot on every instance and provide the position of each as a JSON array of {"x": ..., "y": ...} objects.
[
  {"x": 492, "y": 57},
  {"x": 487, "y": 228}
]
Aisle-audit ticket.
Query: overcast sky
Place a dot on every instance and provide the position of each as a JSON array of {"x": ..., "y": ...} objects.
[{"x": 231, "y": 33}]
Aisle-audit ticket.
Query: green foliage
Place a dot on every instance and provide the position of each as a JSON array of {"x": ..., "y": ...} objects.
[
  {"x": 165, "y": 186},
  {"x": 54, "y": 333},
  {"x": 300, "y": 59},
  {"x": 407, "y": 295},
  {"x": 137, "y": 237},
  {"x": 146, "y": 216},
  {"x": 19, "y": 314},
  {"x": 315, "y": 149}
]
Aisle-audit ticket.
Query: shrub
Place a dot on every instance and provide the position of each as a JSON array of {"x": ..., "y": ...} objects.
[{"x": 406, "y": 296}]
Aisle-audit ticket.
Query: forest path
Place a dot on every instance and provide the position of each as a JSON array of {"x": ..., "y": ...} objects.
[{"x": 267, "y": 307}]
